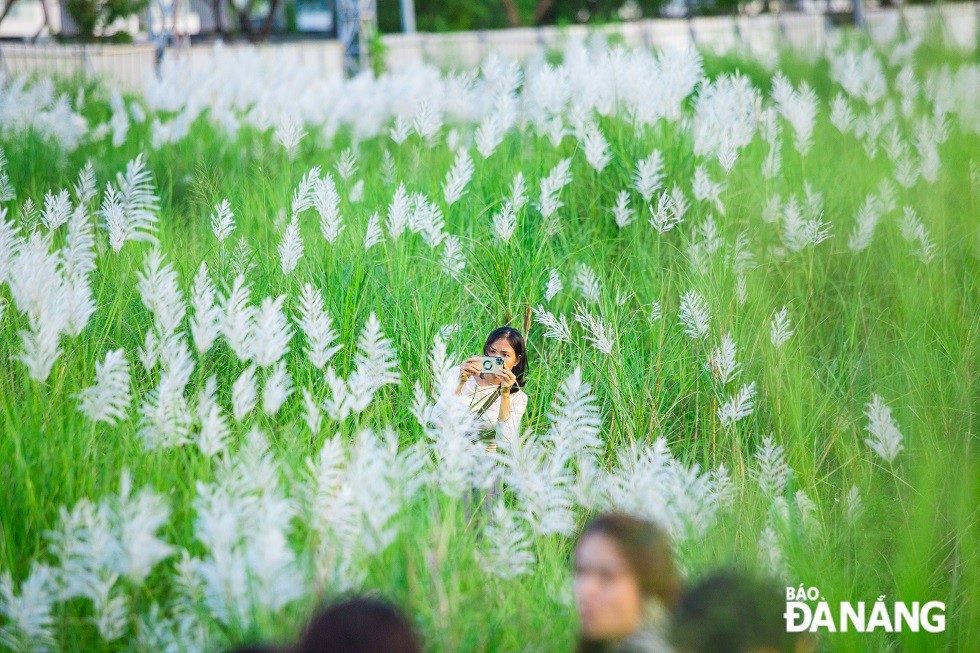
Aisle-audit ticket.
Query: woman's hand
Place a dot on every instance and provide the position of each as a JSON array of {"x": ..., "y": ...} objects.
[
  {"x": 507, "y": 379},
  {"x": 468, "y": 368}
]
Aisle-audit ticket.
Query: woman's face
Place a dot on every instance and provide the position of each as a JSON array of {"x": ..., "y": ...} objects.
[
  {"x": 501, "y": 347},
  {"x": 607, "y": 595}
]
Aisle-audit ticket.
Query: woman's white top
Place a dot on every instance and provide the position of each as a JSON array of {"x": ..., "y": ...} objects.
[{"x": 475, "y": 395}]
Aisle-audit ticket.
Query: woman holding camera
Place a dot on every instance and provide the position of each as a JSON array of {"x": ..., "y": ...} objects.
[{"x": 496, "y": 397}]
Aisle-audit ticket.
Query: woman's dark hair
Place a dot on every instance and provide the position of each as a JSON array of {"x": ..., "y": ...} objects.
[
  {"x": 358, "y": 625},
  {"x": 730, "y": 611},
  {"x": 647, "y": 550},
  {"x": 516, "y": 341}
]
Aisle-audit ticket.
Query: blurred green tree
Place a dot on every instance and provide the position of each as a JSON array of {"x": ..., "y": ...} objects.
[{"x": 92, "y": 16}]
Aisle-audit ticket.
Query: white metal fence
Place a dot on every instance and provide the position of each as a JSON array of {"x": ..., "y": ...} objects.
[{"x": 127, "y": 65}]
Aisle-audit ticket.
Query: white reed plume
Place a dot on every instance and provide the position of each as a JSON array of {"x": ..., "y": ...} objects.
[
  {"x": 7, "y": 192},
  {"x": 244, "y": 393},
  {"x": 557, "y": 327},
  {"x": 271, "y": 332},
  {"x": 914, "y": 231},
  {"x": 488, "y": 136},
  {"x": 311, "y": 412},
  {"x": 342, "y": 398},
  {"x": 771, "y": 555},
  {"x": 290, "y": 247},
  {"x": 346, "y": 164},
  {"x": 575, "y": 419},
  {"x": 707, "y": 190},
  {"x": 779, "y": 328},
  {"x": 400, "y": 130},
  {"x": 600, "y": 335},
  {"x": 841, "y": 114},
  {"x": 130, "y": 213},
  {"x": 886, "y": 439},
  {"x": 649, "y": 176},
  {"x": 772, "y": 472},
  {"x": 544, "y": 484},
  {"x": 667, "y": 216},
  {"x": 242, "y": 259},
  {"x": 373, "y": 235},
  {"x": 29, "y": 614},
  {"x": 506, "y": 551},
  {"x": 867, "y": 219},
  {"x": 10, "y": 244},
  {"x": 656, "y": 312},
  {"x": 454, "y": 187},
  {"x": 243, "y": 522},
  {"x": 304, "y": 195},
  {"x": 695, "y": 315},
  {"x": 427, "y": 219},
  {"x": 399, "y": 212},
  {"x": 427, "y": 122},
  {"x": 587, "y": 283},
  {"x": 238, "y": 319},
  {"x": 505, "y": 222},
  {"x": 277, "y": 389},
  {"x": 518, "y": 191},
  {"x": 56, "y": 210},
  {"x": 798, "y": 107},
  {"x": 376, "y": 358},
  {"x": 213, "y": 433},
  {"x": 596, "y": 147},
  {"x": 222, "y": 220},
  {"x": 109, "y": 399},
  {"x": 206, "y": 321},
  {"x": 622, "y": 212},
  {"x": 809, "y": 514},
  {"x": 724, "y": 488},
  {"x": 738, "y": 406},
  {"x": 721, "y": 361},
  {"x": 38, "y": 287},
  {"x": 680, "y": 202},
  {"x": 159, "y": 288},
  {"x": 136, "y": 519},
  {"x": 317, "y": 327},
  {"x": 554, "y": 286},
  {"x": 458, "y": 459},
  {"x": 289, "y": 132},
  {"x": 165, "y": 416},
  {"x": 799, "y": 232},
  {"x": 452, "y": 260},
  {"x": 853, "y": 506},
  {"x": 559, "y": 177},
  {"x": 442, "y": 363}
]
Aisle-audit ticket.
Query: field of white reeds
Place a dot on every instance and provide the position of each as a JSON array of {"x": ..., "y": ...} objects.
[{"x": 231, "y": 312}]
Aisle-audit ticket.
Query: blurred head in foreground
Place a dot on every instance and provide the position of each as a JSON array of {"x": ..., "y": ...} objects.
[
  {"x": 731, "y": 611},
  {"x": 624, "y": 578},
  {"x": 358, "y": 625}
]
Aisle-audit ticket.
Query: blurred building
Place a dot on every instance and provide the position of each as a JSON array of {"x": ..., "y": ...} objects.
[{"x": 193, "y": 18}]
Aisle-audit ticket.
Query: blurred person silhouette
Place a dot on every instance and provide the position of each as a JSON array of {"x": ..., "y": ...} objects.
[
  {"x": 498, "y": 399},
  {"x": 358, "y": 625},
  {"x": 355, "y": 625},
  {"x": 626, "y": 584},
  {"x": 731, "y": 611}
]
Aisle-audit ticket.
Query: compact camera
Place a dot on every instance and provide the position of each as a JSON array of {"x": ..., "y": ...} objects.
[{"x": 491, "y": 364}]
